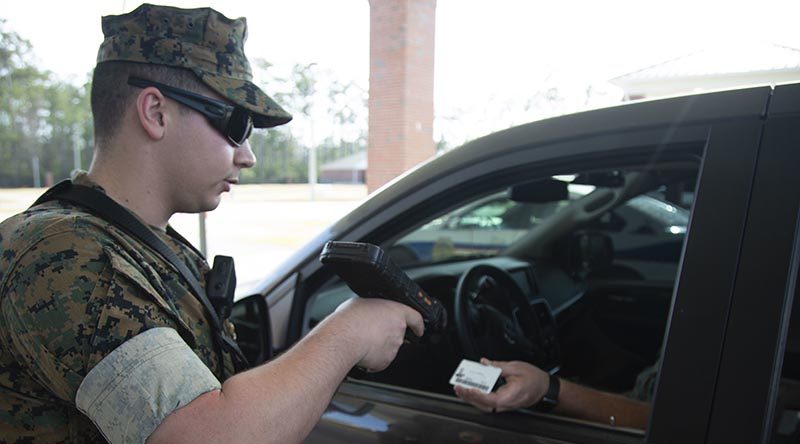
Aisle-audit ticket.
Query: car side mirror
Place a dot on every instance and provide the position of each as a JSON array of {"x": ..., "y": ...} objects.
[{"x": 251, "y": 318}]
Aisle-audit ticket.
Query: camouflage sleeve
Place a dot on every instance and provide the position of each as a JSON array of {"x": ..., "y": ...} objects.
[
  {"x": 130, "y": 392},
  {"x": 68, "y": 303}
]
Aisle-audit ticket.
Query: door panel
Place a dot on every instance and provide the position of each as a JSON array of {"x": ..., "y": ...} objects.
[
  {"x": 368, "y": 413},
  {"x": 751, "y": 361}
]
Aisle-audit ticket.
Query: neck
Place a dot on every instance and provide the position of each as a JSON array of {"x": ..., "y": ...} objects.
[{"x": 133, "y": 183}]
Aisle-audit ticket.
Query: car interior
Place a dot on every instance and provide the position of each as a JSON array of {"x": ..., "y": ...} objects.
[{"x": 572, "y": 272}]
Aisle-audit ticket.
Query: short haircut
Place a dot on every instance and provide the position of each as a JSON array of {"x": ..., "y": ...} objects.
[{"x": 111, "y": 95}]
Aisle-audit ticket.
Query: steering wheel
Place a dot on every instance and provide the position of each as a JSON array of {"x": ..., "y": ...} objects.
[{"x": 494, "y": 318}]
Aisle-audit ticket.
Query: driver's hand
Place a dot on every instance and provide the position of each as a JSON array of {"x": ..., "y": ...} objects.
[
  {"x": 525, "y": 385},
  {"x": 377, "y": 328}
]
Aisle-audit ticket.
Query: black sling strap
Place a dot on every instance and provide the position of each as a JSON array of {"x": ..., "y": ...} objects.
[{"x": 99, "y": 204}]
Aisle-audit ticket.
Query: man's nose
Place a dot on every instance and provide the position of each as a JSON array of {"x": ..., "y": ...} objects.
[{"x": 243, "y": 156}]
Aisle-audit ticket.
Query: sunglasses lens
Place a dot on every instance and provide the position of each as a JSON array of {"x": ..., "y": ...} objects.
[{"x": 239, "y": 126}]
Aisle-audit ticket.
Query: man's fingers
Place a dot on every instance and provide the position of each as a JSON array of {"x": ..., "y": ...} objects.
[
  {"x": 498, "y": 364},
  {"x": 504, "y": 366},
  {"x": 414, "y": 321},
  {"x": 477, "y": 396}
]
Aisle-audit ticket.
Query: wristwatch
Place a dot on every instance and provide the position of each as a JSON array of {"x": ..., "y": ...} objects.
[{"x": 550, "y": 398}]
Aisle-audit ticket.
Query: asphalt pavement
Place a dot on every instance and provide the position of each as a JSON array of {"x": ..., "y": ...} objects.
[{"x": 258, "y": 225}]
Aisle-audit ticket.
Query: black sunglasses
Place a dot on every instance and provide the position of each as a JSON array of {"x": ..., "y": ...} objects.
[{"x": 233, "y": 122}]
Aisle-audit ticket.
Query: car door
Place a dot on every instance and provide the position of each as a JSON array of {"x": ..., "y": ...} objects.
[
  {"x": 695, "y": 335},
  {"x": 750, "y": 370},
  {"x": 722, "y": 130}
]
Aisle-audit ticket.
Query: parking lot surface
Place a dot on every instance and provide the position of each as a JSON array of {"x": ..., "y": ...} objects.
[{"x": 258, "y": 225}]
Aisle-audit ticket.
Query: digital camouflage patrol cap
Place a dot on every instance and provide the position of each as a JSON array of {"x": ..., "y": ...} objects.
[{"x": 202, "y": 40}]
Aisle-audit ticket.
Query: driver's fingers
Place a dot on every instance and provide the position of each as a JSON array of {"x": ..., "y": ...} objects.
[
  {"x": 508, "y": 368},
  {"x": 482, "y": 401},
  {"x": 504, "y": 366},
  {"x": 486, "y": 361}
]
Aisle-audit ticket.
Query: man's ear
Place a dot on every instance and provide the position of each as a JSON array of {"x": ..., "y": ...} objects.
[{"x": 151, "y": 112}]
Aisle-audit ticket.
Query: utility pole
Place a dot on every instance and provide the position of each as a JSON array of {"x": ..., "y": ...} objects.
[
  {"x": 37, "y": 181},
  {"x": 312, "y": 162},
  {"x": 76, "y": 149},
  {"x": 203, "y": 237}
]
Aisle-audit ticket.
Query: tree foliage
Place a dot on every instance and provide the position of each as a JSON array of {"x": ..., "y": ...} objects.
[
  {"x": 321, "y": 105},
  {"x": 43, "y": 120}
]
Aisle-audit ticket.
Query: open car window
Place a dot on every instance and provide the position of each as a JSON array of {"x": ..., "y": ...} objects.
[{"x": 595, "y": 265}]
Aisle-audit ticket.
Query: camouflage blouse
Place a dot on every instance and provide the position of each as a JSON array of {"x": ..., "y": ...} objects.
[{"x": 72, "y": 289}]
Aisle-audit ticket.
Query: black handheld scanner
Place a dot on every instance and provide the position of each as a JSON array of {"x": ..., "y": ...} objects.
[{"x": 370, "y": 273}]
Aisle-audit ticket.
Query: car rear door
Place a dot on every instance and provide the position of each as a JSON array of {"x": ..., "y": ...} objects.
[
  {"x": 765, "y": 284},
  {"x": 686, "y": 388},
  {"x": 735, "y": 402}
]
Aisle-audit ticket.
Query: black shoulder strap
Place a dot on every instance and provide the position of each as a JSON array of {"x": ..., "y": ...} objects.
[{"x": 99, "y": 204}]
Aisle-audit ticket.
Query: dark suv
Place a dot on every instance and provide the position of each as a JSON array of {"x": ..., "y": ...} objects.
[{"x": 701, "y": 297}]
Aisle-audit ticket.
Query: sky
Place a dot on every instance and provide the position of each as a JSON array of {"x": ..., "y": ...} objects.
[{"x": 493, "y": 57}]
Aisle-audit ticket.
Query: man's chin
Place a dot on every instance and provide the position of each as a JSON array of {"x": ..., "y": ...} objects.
[
  {"x": 203, "y": 207},
  {"x": 211, "y": 206}
]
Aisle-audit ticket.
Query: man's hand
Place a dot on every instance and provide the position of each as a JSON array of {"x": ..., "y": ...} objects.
[
  {"x": 525, "y": 386},
  {"x": 377, "y": 327}
]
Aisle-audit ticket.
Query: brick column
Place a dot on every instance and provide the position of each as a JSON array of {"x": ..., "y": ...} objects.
[{"x": 400, "y": 87}]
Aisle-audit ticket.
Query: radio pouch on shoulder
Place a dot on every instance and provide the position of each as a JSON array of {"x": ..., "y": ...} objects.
[{"x": 221, "y": 285}]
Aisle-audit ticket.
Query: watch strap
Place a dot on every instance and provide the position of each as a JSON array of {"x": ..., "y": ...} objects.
[{"x": 550, "y": 398}]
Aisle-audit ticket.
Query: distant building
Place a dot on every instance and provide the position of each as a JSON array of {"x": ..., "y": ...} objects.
[
  {"x": 350, "y": 169},
  {"x": 733, "y": 66}
]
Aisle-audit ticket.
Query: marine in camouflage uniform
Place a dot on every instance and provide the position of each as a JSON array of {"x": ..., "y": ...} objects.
[{"x": 74, "y": 287}]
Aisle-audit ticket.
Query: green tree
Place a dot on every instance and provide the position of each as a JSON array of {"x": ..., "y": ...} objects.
[
  {"x": 347, "y": 110},
  {"x": 21, "y": 97},
  {"x": 41, "y": 118},
  {"x": 279, "y": 158},
  {"x": 67, "y": 129}
]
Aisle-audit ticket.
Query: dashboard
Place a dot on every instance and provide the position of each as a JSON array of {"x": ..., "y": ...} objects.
[
  {"x": 537, "y": 281},
  {"x": 428, "y": 363}
]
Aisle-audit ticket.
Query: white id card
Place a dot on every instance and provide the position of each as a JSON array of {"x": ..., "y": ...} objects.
[{"x": 474, "y": 375}]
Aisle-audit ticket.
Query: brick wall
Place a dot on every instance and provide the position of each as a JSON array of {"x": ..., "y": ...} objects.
[{"x": 400, "y": 87}]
